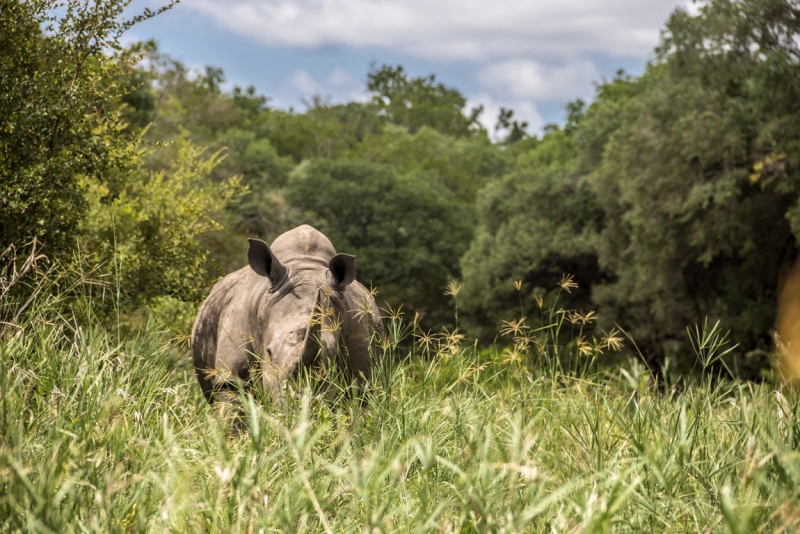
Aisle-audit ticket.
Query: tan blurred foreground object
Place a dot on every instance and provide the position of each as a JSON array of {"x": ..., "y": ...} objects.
[{"x": 787, "y": 326}]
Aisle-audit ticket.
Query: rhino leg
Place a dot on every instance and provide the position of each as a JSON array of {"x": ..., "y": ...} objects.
[
  {"x": 222, "y": 365},
  {"x": 204, "y": 347},
  {"x": 363, "y": 332}
]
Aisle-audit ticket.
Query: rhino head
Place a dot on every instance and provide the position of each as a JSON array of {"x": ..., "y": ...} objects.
[{"x": 299, "y": 316}]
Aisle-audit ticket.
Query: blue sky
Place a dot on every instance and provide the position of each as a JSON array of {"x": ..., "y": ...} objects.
[{"x": 529, "y": 55}]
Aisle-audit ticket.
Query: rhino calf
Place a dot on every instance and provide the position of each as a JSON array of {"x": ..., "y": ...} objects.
[{"x": 296, "y": 304}]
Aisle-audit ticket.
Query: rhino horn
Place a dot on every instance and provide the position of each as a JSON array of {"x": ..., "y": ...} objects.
[
  {"x": 318, "y": 347},
  {"x": 264, "y": 262}
]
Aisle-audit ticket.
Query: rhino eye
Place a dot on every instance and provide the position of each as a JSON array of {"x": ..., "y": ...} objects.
[{"x": 298, "y": 335}]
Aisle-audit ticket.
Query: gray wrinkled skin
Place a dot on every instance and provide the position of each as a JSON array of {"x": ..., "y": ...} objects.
[{"x": 297, "y": 303}]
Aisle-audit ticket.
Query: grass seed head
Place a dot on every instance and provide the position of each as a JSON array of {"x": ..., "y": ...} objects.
[
  {"x": 452, "y": 289},
  {"x": 393, "y": 314},
  {"x": 372, "y": 290},
  {"x": 612, "y": 340},
  {"x": 364, "y": 309},
  {"x": 584, "y": 347},
  {"x": 567, "y": 283},
  {"x": 515, "y": 327},
  {"x": 512, "y": 355},
  {"x": 450, "y": 342},
  {"x": 581, "y": 318},
  {"x": 424, "y": 339}
]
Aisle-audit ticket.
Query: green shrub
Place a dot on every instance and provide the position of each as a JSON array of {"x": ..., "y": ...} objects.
[
  {"x": 57, "y": 127},
  {"x": 146, "y": 240}
]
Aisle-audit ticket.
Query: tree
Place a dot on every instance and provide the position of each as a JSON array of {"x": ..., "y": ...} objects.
[
  {"x": 698, "y": 178},
  {"x": 263, "y": 172},
  {"x": 406, "y": 231},
  {"x": 516, "y": 129},
  {"x": 535, "y": 224},
  {"x": 418, "y": 102},
  {"x": 463, "y": 165},
  {"x": 56, "y": 127},
  {"x": 145, "y": 240},
  {"x": 324, "y": 130}
]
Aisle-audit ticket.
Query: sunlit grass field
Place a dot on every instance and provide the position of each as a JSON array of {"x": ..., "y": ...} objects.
[{"x": 102, "y": 432}]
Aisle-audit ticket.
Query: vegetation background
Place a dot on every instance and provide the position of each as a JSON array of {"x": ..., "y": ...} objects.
[{"x": 128, "y": 183}]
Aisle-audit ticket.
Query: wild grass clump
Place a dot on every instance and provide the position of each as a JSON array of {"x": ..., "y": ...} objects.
[{"x": 104, "y": 434}]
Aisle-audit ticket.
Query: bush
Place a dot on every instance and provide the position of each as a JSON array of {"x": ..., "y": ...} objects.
[
  {"x": 57, "y": 129},
  {"x": 147, "y": 239}
]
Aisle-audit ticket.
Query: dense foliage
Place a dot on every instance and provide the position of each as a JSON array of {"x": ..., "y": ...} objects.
[
  {"x": 418, "y": 102},
  {"x": 407, "y": 231},
  {"x": 669, "y": 197},
  {"x": 145, "y": 238},
  {"x": 55, "y": 123},
  {"x": 699, "y": 179},
  {"x": 72, "y": 167},
  {"x": 675, "y": 194},
  {"x": 536, "y": 223}
]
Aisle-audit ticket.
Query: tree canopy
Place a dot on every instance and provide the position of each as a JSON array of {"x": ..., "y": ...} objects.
[
  {"x": 418, "y": 102},
  {"x": 678, "y": 197},
  {"x": 407, "y": 231},
  {"x": 56, "y": 125},
  {"x": 669, "y": 197}
]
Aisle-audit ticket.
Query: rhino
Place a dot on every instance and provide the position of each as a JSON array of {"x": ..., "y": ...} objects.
[{"x": 296, "y": 304}]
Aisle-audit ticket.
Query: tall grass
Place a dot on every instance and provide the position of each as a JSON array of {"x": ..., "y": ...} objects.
[{"x": 107, "y": 434}]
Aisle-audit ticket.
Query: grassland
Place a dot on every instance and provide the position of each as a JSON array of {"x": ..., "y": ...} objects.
[{"x": 105, "y": 433}]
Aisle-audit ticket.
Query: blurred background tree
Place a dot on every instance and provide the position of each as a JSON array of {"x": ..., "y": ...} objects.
[
  {"x": 536, "y": 223},
  {"x": 698, "y": 179},
  {"x": 406, "y": 230},
  {"x": 674, "y": 195},
  {"x": 417, "y": 102}
]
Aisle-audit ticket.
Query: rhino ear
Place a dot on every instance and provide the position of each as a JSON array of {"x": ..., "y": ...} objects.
[
  {"x": 263, "y": 261},
  {"x": 343, "y": 269}
]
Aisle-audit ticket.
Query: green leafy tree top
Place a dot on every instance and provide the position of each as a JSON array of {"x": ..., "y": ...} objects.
[
  {"x": 418, "y": 102},
  {"x": 57, "y": 80},
  {"x": 697, "y": 174},
  {"x": 535, "y": 224}
]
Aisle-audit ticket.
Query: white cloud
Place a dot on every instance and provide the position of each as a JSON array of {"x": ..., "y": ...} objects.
[
  {"x": 337, "y": 86},
  {"x": 304, "y": 83},
  {"x": 339, "y": 77},
  {"x": 693, "y": 8},
  {"x": 451, "y": 29},
  {"x": 525, "y": 78},
  {"x": 519, "y": 53}
]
